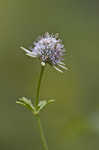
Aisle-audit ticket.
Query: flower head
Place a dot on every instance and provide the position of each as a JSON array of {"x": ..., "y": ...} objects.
[{"x": 49, "y": 49}]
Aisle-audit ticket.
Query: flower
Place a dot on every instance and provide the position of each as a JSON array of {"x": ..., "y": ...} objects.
[{"x": 49, "y": 49}]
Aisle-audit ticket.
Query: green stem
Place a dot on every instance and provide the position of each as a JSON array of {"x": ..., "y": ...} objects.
[
  {"x": 39, "y": 83},
  {"x": 38, "y": 117},
  {"x": 42, "y": 134}
]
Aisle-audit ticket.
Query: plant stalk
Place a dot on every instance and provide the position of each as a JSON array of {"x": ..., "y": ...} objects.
[
  {"x": 42, "y": 134},
  {"x": 38, "y": 117},
  {"x": 39, "y": 83}
]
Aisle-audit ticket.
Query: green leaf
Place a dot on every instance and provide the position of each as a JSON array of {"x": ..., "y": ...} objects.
[
  {"x": 42, "y": 104},
  {"x": 26, "y": 103},
  {"x": 51, "y": 101}
]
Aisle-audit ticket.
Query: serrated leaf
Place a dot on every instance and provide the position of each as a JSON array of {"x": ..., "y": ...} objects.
[{"x": 26, "y": 103}]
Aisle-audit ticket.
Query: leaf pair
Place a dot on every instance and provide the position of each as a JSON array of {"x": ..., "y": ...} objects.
[{"x": 28, "y": 104}]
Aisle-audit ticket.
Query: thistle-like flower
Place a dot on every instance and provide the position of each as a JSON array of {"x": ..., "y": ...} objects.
[{"x": 49, "y": 49}]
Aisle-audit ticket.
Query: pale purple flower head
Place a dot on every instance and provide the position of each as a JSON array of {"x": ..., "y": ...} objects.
[{"x": 49, "y": 49}]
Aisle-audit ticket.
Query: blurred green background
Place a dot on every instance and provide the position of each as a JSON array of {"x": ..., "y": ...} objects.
[{"x": 72, "y": 123}]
